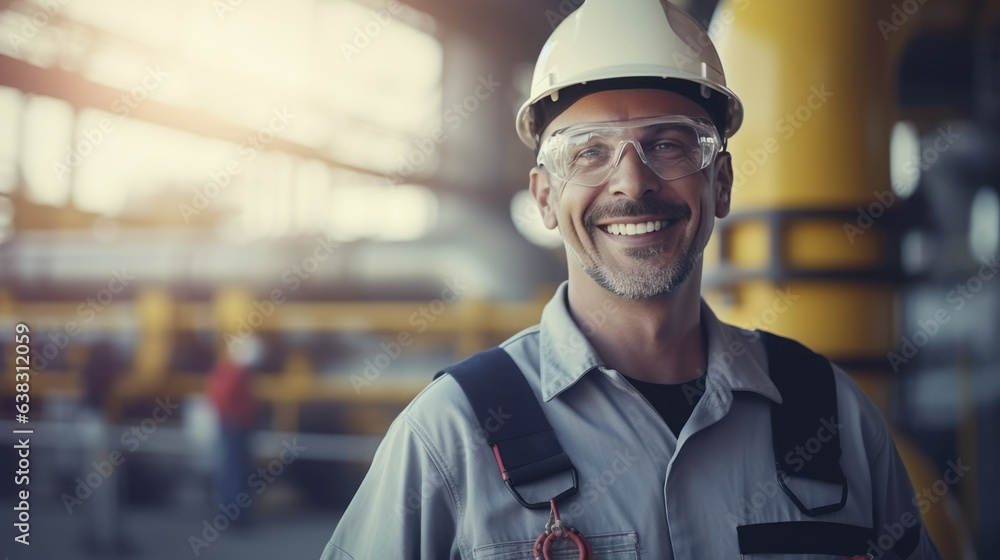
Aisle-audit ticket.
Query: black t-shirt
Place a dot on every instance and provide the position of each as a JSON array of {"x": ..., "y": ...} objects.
[{"x": 674, "y": 402}]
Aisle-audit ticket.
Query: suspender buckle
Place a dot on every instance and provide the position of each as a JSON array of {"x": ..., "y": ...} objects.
[
  {"x": 536, "y": 471},
  {"x": 543, "y": 505},
  {"x": 813, "y": 512}
]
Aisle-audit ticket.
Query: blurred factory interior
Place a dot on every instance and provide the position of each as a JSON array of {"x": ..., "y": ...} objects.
[{"x": 338, "y": 185}]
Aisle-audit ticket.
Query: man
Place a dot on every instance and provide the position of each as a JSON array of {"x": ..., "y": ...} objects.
[{"x": 664, "y": 411}]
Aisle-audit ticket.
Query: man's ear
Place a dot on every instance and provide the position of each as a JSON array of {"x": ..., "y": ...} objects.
[
  {"x": 723, "y": 184},
  {"x": 541, "y": 189}
]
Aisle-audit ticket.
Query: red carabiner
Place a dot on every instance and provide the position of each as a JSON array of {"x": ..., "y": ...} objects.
[{"x": 555, "y": 529}]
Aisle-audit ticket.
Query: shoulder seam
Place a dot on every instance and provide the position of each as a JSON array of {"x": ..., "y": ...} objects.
[
  {"x": 442, "y": 467},
  {"x": 341, "y": 550}
]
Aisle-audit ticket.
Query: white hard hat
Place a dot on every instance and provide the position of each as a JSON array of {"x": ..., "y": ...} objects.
[{"x": 611, "y": 39}]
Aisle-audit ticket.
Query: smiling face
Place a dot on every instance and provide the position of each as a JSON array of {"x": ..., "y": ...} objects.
[{"x": 600, "y": 225}]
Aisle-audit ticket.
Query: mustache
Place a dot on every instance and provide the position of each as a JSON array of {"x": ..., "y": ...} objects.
[{"x": 630, "y": 208}]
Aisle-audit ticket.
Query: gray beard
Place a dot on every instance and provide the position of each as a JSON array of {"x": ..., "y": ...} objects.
[{"x": 645, "y": 280}]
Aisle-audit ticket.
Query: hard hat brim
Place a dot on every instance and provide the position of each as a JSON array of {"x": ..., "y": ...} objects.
[{"x": 528, "y": 134}]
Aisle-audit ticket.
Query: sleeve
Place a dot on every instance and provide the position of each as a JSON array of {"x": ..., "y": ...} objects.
[
  {"x": 899, "y": 530},
  {"x": 405, "y": 507}
]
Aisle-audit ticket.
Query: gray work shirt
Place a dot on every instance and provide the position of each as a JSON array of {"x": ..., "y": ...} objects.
[{"x": 434, "y": 488}]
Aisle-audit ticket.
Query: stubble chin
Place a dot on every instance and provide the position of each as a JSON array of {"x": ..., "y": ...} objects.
[{"x": 646, "y": 278}]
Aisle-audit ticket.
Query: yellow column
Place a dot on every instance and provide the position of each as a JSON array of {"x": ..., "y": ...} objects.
[
  {"x": 154, "y": 309},
  {"x": 794, "y": 258},
  {"x": 814, "y": 146}
]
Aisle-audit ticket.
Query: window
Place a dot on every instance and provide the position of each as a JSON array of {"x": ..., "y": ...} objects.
[{"x": 351, "y": 86}]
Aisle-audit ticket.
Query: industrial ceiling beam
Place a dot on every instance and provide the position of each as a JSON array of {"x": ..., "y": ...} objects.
[{"x": 82, "y": 93}]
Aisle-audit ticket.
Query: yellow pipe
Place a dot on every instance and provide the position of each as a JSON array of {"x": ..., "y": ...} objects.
[
  {"x": 154, "y": 308},
  {"x": 816, "y": 82}
]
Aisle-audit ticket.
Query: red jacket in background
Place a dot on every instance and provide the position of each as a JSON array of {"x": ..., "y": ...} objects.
[{"x": 228, "y": 387}]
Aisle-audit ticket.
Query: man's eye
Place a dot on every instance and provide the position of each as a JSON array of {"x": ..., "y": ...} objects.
[
  {"x": 668, "y": 145},
  {"x": 591, "y": 152}
]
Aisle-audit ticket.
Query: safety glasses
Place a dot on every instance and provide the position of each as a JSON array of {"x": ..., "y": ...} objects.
[{"x": 588, "y": 153}]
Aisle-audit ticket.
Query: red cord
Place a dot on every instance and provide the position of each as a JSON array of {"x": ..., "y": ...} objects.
[{"x": 554, "y": 529}]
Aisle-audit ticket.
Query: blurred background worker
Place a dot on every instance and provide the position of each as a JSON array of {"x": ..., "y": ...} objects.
[
  {"x": 102, "y": 534},
  {"x": 229, "y": 387},
  {"x": 175, "y": 175}
]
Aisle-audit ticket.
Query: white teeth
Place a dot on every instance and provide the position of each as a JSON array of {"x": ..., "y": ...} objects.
[{"x": 636, "y": 229}]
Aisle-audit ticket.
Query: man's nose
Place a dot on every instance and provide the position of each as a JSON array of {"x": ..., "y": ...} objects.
[{"x": 631, "y": 176}]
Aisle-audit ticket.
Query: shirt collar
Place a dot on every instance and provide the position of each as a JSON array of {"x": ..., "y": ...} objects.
[
  {"x": 565, "y": 353},
  {"x": 736, "y": 358}
]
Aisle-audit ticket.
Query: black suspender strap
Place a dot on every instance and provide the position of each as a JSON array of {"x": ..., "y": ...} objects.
[
  {"x": 804, "y": 427},
  {"x": 511, "y": 417}
]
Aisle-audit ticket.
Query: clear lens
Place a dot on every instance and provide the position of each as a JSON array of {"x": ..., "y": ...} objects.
[{"x": 673, "y": 147}]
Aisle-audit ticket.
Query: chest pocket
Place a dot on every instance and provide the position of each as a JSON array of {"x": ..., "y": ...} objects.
[{"x": 612, "y": 546}]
